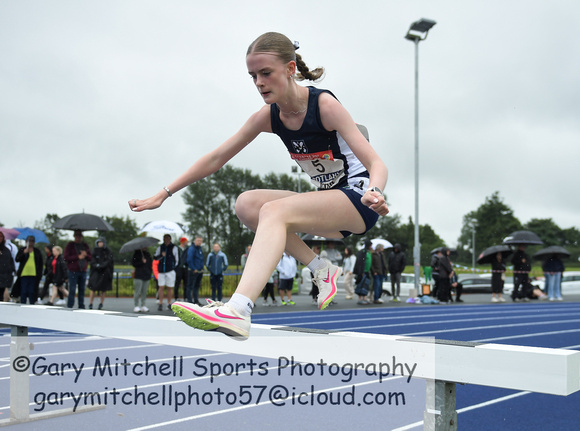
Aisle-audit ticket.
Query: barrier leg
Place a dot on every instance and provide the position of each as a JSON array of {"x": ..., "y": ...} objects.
[
  {"x": 440, "y": 411},
  {"x": 19, "y": 381}
]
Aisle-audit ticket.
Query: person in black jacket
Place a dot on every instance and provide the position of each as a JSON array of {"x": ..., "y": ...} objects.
[
  {"x": 522, "y": 267},
  {"x": 143, "y": 264},
  {"x": 445, "y": 274},
  {"x": 102, "y": 268},
  {"x": 7, "y": 267},
  {"x": 497, "y": 278},
  {"x": 29, "y": 271},
  {"x": 362, "y": 272},
  {"x": 397, "y": 262},
  {"x": 57, "y": 272},
  {"x": 435, "y": 272}
]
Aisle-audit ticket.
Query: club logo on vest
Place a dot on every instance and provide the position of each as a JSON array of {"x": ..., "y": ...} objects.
[{"x": 299, "y": 147}]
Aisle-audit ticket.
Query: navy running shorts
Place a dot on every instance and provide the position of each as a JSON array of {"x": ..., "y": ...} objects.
[{"x": 369, "y": 216}]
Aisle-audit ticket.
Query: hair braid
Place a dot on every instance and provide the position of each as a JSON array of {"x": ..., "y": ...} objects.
[{"x": 305, "y": 73}]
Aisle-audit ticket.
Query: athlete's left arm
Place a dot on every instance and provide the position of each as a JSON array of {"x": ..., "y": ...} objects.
[{"x": 335, "y": 117}]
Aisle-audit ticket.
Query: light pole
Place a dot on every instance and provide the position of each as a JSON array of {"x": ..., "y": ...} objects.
[
  {"x": 416, "y": 33},
  {"x": 473, "y": 224}
]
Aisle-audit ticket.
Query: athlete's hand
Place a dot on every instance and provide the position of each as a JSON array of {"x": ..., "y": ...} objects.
[
  {"x": 376, "y": 202},
  {"x": 155, "y": 201}
]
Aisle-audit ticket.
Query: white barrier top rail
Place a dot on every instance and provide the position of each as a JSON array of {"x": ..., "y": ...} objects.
[{"x": 550, "y": 371}]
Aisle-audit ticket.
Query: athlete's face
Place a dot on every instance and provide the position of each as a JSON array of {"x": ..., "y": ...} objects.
[{"x": 270, "y": 75}]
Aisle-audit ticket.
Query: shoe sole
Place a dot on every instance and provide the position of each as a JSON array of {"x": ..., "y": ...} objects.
[
  {"x": 333, "y": 292},
  {"x": 196, "y": 320}
]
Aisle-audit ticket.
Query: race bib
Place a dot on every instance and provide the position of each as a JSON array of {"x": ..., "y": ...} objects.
[{"x": 324, "y": 171}]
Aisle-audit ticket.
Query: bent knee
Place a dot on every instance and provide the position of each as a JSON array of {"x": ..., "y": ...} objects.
[
  {"x": 272, "y": 210},
  {"x": 247, "y": 208}
]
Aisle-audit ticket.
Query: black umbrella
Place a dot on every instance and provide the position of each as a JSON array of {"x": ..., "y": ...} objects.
[
  {"x": 315, "y": 239},
  {"x": 138, "y": 244},
  {"x": 440, "y": 249},
  {"x": 82, "y": 221},
  {"x": 488, "y": 255},
  {"x": 553, "y": 250},
  {"x": 522, "y": 237}
]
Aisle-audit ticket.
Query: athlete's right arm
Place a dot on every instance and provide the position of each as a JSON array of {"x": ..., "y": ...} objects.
[{"x": 211, "y": 162}]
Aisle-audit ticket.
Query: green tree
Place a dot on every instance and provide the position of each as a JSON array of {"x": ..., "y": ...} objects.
[
  {"x": 493, "y": 221},
  {"x": 427, "y": 237},
  {"x": 55, "y": 236},
  {"x": 571, "y": 237},
  {"x": 391, "y": 229},
  {"x": 210, "y": 209},
  {"x": 547, "y": 230},
  {"x": 286, "y": 182}
]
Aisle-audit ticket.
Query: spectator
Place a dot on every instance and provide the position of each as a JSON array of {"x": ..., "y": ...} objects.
[
  {"x": 101, "y": 275},
  {"x": 445, "y": 274},
  {"x": 287, "y": 269},
  {"x": 143, "y": 264},
  {"x": 378, "y": 270},
  {"x": 195, "y": 267},
  {"x": 497, "y": 278},
  {"x": 77, "y": 256},
  {"x": 435, "y": 271},
  {"x": 347, "y": 269},
  {"x": 217, "y": 263},
  {"x": 7, "y": 269},
  {"x": 522, "y": 267},
  {"x": 332, "y": 254},
  {"x": 181, "y": 270},
  {"x": 269, "y": 290},
  {"x": 362, "y": 268},
  {"x": 553, "y": 269},
  {"x": 13, "y": 252},
  {"x": 455, "y": 285},
  {"x": 58, "y": 275},
  {"x": 245, "y": 256},
  {"x": 397, "y": 263},
  {"x": 168, "y": 258},
  {"x": 45, "y": 290},
  {"x": 30, "y": 271}
]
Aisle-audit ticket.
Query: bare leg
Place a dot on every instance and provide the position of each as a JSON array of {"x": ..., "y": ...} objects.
[
  {"x": 169, "y": 295},
  {"x": 54, "y": 294},
  {"x": 276, "y": 216}
]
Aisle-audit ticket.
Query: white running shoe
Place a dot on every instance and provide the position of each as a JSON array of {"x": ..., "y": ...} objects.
[
  {"x": 325, "y": 279},
  {"x": 215, "y": 316},
  {"x": 144, "y": 309},
  {"x": 136, "y": 310}
]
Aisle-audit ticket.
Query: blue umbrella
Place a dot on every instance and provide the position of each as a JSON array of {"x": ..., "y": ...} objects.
[{"x": 38, "y": 235}]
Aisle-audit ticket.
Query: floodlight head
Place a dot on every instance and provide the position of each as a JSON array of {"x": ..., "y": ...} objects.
[
  {"x": 419, "y": 29},
  {"x": 423, "y": 25}
]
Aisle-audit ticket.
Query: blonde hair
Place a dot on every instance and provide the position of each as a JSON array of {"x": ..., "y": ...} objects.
[
  {"x": 58, "y": 248},
  {"x": 280, "y": 45}
]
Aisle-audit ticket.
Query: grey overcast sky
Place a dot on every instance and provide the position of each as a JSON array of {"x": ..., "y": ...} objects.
[{"x": 103, "y": 101}]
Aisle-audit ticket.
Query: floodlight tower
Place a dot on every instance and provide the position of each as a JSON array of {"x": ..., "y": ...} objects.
[{"x": 416, "y": 33}]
